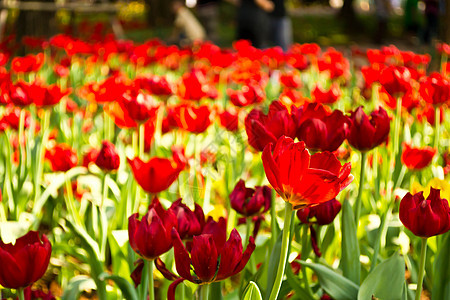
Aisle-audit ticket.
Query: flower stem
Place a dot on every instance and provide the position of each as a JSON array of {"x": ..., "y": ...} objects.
[
  {"x": 141, "y": 140},
  {"x": 151, "y": 288},
  {"x": 273, "y": 220},
  {"x": 21, "y": 294},
  {"x": 361, "y": 186},
  {"x": 284, "y": 251},
  {"x": 204, "y": 292},
  {"x": 423, "y": 255},
  {"x": 40, "y": 162},
  {"x": 437, "y": 124},
  {"x": 70, "y": 202},
  {"x": 248, "y": 228}
]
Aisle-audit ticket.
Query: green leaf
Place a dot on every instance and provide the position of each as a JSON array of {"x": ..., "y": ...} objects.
[
  {"x": 378, "y": 284},
  {"x": 296, "y": 285},
  {"x": 336, "y": 285},
  {"x": 216, "y": 290},
  {"x": 273, "y": 265},
  {"x": 350, "y": 265},
  {"x": 252, "y": 292},
  {"x": 441, "y": 284},
  {"x": 128, "y": 291},
  {"x": 77, "y": 285}
]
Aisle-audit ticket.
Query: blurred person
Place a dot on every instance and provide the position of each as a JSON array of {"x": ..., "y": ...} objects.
[
  {"x": 187, "y": 28},
  {"x": 208, "y": 15},
  {"x": 383, "y": 9},
  {"x": 431, "y": 21},
  {"x": 280, "y": 25},
  {"x": 253, "y": 21}
]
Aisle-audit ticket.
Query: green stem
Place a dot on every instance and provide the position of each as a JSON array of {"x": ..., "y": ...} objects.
[
  {"x": 21, "y": 294},
  {"x": 437, "y": 124},
  {"x": 40, "y": 162},
  {"x": 103, "y": 218},
  {"x": 398, "y": 118},
  {"x": 361, "y": 186},
  {"x": 141, "y": 140},
  {"x": 305, "y": 254},
  {"x": 70, "y": 202},
  {"x": 423, "y": 255},
  {"x": 204, "y": 292},
  {"x": 21, "y": 140},
  {"x": 273, "y": 220},
  {"x": 135, "y": 141},
  {"x": 145, "y": 279},
  {"x": 151, "y": 288},
  {"x": 248, "y": 230},
  {"x": 284, "y": 251}
]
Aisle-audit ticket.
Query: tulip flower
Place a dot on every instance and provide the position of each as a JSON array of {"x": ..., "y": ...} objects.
[
  {"x": 20, "y": 94},
  {"x": 25, "y": 262},
  {"x": 396, "y": 80},
  {"x": 44, "y": 96},
  {"x": 324, "y": 133},
  {"x": 249, "y": 202},
  {"x": 210, "y": 258},
  {"x": 435, "y": 89},
  {"x": 229, "y": 120},
  {"x": 108, "y": 159},
  {"x": 417, "y": 158},
  {"x": 321, "y": 214},
  {"x": 62, "y": 157},
  {"x": 151, "y": 236},
  {"x": 368, "y": 132},
  {"x": 156, "y": 175},
  {"x": 250, "y": 93},
  {"x": 424, "y": 218},
  {"x": 326, "y": 96},
  {"x": 190, "y": 223},
  {"x": 29, "y": 63},
  {"x": 302, "y": 179},
  {"x": 264, "y": 129},
  {"x": 191, "y": 118}
]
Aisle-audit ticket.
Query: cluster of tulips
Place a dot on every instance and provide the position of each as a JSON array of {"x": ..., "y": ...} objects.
[{"x": 209, "y": 145}]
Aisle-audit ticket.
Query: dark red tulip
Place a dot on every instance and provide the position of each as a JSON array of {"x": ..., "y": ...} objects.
[
  {"x": 20, "y": 94},
  {"x": 417, "y": 158},
  {"x": 151, "y": 236},
  {"x": 321, "y": 214},
  {"x": 89, "y": 157},
  {"x": 61, "y": 157},
  {"x": 249, "y": 202},
  {"x": 435, "y": 89},
  {"x": 291, "y": 80},
  {"x": 209, "y": 260},
  {"x": 302, "y": 179},
  {"x": 156, "y": 175},
  {"x": 190, "y": 222},
  {"x": 324, "y": 133},
  {"x": 108, "y": 159},
  {"x": 425, "y": 217},
  {"x": 11, "y": 117},
  {"x": 25, "y": 262},
  {"x": 368, "y": 132},
  {"x": 264, "y": 129}
]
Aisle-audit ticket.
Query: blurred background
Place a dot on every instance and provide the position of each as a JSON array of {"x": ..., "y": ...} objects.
[{"x": 326, "y": 22}]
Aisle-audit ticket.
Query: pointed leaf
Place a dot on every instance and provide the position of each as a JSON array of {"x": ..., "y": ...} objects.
[
  {"x": 252, "y": 292},
  {"x": 336, "y": 285},
  {"x": 128, "y": 291},
  {"x": 385, "y": 287},
  {"x": 350, "y": 265}
]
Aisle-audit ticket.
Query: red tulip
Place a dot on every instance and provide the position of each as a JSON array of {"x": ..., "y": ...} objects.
[
  {"x": 151, "y": 236},
  {"x": 106, "y": 91},
  {"x": 324, "y": 133},
  {"x": 11, "y": 117},
  {"x": 250, "y": 93},
  {"x": 62, "y": 157},
  {"x": 209, "y": 259},
  {"x": 396, "y": 80},
  {"x": 321, "y": 214},
  {"x": 249, "y": 202},
  {"x": 322, "y": 96},
  {"x": 20, "y": 94},
  {"x": 190, "y": 222},
  {"x": 291, "y": 80},
  {"x": 194, "y": 86},
  {"x": 46, "y": 95},
  {"x": 425, "y": 217},
  {"x": 156, "y": 85},
  {"x": 89, "y": 157},
  {"x": 417, "y": 158},
  {"x": 29, "y": 63},
  {"x": 264, "y": 129},
  {"x": 108, "y": 159},
  {"x": 302, "y": 179},
  {"x": 156, "y": 175},
  {"x": 435, "y": 89},
  {"x": 25, "y": 262},
  {"x": 368, "y": 132},
  {"x": 191, "y": 118},
  {"x": 229, "y": 120}
]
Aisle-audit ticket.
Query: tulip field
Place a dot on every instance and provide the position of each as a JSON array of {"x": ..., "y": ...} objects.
[{"x": 147, "y": 171}]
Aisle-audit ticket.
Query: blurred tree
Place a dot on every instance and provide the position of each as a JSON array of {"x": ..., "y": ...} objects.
[{"x": 159, "y": 12}]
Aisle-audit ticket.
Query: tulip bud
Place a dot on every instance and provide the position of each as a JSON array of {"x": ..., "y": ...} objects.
[
  {"x": 249, "y": 202},
  {"x": 108, "y": 159},
  {"x": 425, "y": 217}
]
